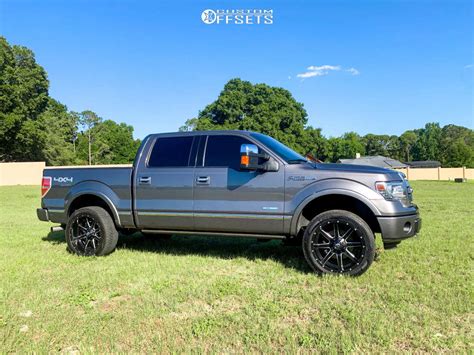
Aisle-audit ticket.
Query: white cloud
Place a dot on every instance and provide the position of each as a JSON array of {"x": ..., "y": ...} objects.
[
  {"x": 353, "y": 71},
  {"x": 314, "y": 70},
  {"x": 468, "y": 66},
  {"x": 324, "y": 67},
  {"x": 318, "y": 71}
]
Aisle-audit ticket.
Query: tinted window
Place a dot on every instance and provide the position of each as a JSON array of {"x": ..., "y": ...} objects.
[
  {"x": 172, "y": 151},
  {"x": 282, "y": 150},
  {"x": 224, "y": 151}
]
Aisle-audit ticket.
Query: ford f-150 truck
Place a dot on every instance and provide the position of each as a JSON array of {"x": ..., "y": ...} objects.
[{"x": 233, "y": 183}]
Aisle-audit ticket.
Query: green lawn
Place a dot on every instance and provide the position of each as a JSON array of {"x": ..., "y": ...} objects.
[{"x": 232, "y": 294}]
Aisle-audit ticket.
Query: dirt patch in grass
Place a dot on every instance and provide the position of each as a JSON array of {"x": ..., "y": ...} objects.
[{"x": 113, "y": 303}]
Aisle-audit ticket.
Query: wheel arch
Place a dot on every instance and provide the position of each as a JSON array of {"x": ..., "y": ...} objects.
[
  {"x": 87, "y": 195},
  {"x": 335, "y": 199}
]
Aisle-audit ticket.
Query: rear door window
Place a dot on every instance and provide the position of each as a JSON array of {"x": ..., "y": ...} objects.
[{"x": 171, "y": 152}]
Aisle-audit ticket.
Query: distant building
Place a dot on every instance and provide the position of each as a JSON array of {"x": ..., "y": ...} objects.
[
  {"x": 377, "y": 160},
  {"x": 424, "y": 164}
]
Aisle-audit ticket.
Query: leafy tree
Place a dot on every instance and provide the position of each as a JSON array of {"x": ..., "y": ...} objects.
[
  {"x": 458, "y": 146},
  {"x": 106, "y": 142},
  {"x": 406, "y": 142},
  {"x": 262, "y": 108},
  {"x": 314, "y": 143},
  {"x": 427, "y": 146},
  {"x": 59, "y": 128},
  {"x": 346, "y": 146},
  {"x": 119, "y": 147},
  {"x": 385, "y": 145},
  {"x": 88, "y": 120},
  {"x": 33, "y": 126},
  {"x": 335, "y": 149},
  {"x": 376, "y": 144},
  {"x": 393, "y": 147},
  {"x": 23, "y": 98},
  {"x": 459, "y": 154}
]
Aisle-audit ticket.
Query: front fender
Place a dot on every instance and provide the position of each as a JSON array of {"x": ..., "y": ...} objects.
[
  {"x": 331, "y": 187},
  {"x": 97, "y": 189}
]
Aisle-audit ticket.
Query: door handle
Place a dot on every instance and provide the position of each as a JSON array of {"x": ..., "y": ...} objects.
[
  {"x": 145, "y": 180},
  {"x": 203, "y": 180}
]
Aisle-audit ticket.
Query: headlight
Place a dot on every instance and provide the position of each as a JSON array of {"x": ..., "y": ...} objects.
[{"x": 394, "y": 190}]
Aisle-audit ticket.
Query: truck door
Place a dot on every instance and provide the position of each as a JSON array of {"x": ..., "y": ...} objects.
[
  {"x": 228, "y": 199},
  {"x": 164, "y": 184}
]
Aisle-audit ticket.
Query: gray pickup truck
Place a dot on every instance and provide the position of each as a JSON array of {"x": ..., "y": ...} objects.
[{"x": 233, "y": 183}]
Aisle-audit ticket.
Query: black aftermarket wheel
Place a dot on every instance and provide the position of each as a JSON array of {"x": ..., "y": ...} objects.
[
  {"x": 339, "y": 242},
  {"x": 91, "y": 231}
]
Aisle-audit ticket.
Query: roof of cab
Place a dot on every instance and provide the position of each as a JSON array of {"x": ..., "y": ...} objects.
[
  {"x": 204, "y": 132},
  {"x": 200, "y": 133}
]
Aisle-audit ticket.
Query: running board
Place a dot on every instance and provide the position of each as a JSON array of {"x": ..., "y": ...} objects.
[{"x": 168, "y": 231}]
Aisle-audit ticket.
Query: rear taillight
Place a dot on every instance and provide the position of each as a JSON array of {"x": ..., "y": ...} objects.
[{"x": 45, "y": 185}]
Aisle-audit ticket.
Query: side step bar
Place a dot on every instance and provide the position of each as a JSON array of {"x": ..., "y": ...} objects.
[{"x": 260, "y": 236}]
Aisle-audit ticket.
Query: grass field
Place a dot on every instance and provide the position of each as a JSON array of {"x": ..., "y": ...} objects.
[{"x": 233, "y": 295}]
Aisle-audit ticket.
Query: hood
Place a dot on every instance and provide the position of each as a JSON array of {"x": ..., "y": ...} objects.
[{"x": 367, "y": 169}]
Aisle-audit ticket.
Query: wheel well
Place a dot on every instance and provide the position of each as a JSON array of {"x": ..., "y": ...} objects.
[
  {"x": 88, "y": 201},
  {"x": 338, "y": 202}
]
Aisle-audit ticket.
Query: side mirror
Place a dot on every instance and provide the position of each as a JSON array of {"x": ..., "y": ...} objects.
[{"x": 249, "y": 159}]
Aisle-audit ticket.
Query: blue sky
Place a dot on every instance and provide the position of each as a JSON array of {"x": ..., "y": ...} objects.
[{"x": 155, "y": 64}]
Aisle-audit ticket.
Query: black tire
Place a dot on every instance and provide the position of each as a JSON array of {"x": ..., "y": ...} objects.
[
  {"x": 353, "y": 249},
  {"x": 91, "y": 231}
]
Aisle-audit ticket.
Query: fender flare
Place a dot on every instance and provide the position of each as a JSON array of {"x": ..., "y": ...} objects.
[
  {"x": 295, "y": 221},
  {"x": 97, "y": 189}
]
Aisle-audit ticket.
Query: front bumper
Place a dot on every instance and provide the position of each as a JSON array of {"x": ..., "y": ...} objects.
[
  {"x": 42, "y": 214},
  {"x": 395, "y": 229}
]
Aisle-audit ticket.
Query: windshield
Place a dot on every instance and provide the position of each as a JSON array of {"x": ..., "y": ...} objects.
[{"x": 287, "y": 154}]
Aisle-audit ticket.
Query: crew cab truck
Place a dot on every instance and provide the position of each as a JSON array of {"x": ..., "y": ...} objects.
[{"x": 233, "y": 183}]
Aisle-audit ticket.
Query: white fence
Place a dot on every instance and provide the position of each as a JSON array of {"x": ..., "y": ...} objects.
[
  {"x": 30, "y": 173},
  {"x": 438, "y": 173}
]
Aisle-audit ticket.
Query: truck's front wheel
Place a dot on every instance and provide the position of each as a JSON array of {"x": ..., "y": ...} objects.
[
  {"x": 91, "y": 231},
  {"x": 339, "y": 242}
]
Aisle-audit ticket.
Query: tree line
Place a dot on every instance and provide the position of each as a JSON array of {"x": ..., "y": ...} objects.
[
  {"x": 273, "y": 111},
  {"x": 36, "y": 127}
]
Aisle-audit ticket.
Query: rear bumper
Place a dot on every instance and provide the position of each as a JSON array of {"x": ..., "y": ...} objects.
[
  {"x": 395, "y": 229},
  {"x": 42, "y": 214}
]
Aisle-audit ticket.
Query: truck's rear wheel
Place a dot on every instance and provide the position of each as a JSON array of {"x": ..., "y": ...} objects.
[
  {"x": 91, "y": 231},
  {"x": 339, "y": 242}
]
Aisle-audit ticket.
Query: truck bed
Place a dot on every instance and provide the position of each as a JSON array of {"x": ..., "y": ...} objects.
[{"x": 111, "y": 182}]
